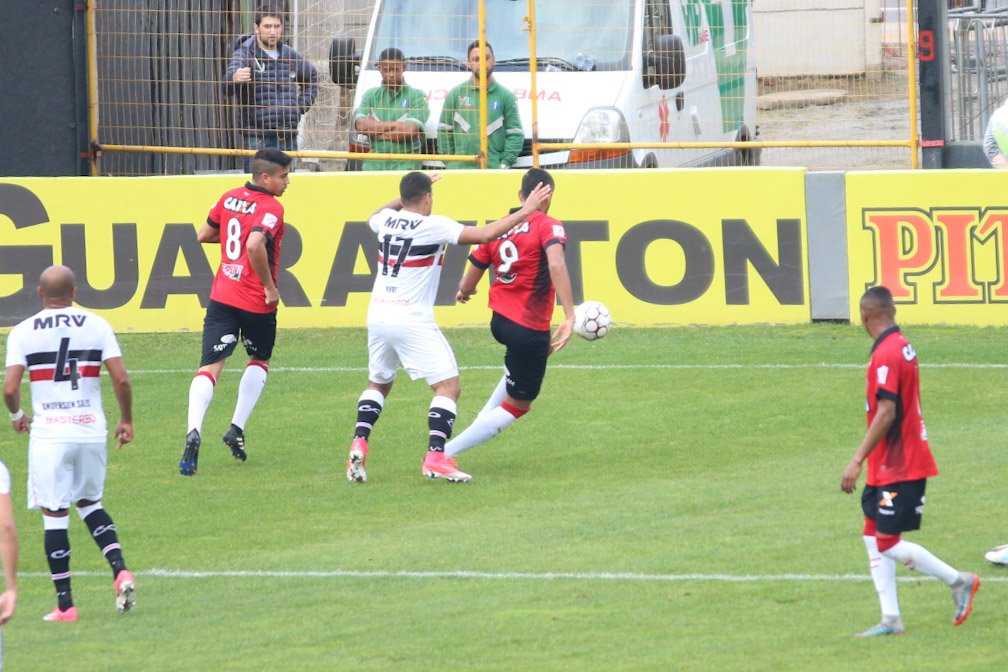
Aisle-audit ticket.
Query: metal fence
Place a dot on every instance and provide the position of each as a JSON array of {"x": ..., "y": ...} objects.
[
  {"x": 160, "y": 102},
  {"x": 978, "y": 66}
]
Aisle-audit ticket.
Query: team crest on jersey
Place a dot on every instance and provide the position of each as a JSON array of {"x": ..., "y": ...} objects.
[
  {"x": 232, "y": 271},
  {"x": 909, "y": 354},
  {"x": 465, "y": 101}
]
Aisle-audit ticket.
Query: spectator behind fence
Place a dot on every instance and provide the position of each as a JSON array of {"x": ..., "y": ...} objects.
[
  {"x": 393, "y": 115},
  {"x": 274, "y": 85},
  {"x": 996, "y": 137},
  {"x": 459, "y": 127}
]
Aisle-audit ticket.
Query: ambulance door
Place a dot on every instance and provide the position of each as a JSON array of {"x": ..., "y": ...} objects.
[{"x": 664, "y": 111}]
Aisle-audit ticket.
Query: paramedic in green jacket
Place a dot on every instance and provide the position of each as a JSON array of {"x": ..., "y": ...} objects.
[
  {"x": 393, "y": 115},
  {"x": 458, "y": 132}
]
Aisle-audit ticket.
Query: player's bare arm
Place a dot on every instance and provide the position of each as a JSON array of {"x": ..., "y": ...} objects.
[
  {"x": 9, "y": 558},
  {"x": 884, "y": 417},
  {"x": 20, "y": 421},
  {"x": 208, "y": 234},
  {"x": 256, "y": 246},
  {"x": 124, "y": 395},
  {"x": 561, "y": 283},
  {"x": 484, "y": 234},
  {"x": 468, "y": 284}
]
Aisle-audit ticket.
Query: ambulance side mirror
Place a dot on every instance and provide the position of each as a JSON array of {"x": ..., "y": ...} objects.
[
  {"x": 343, "y": 61},
  {"x": 667, "y": 63}
]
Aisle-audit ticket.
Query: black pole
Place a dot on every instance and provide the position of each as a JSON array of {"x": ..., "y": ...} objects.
[{"x": 932, "y": 55}]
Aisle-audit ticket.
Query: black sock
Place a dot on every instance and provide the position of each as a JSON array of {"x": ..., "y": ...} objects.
[
  {"x": 440, "y": 422},
  {"x": 103, "y": 531},
  {"x": 57, "y": 548},
  {"x": 368, "y": 411}
]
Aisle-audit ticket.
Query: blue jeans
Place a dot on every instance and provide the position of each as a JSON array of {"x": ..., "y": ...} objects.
[{"x": 281, "y": 140}]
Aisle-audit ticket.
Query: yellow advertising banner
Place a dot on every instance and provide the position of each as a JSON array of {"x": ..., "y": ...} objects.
[
  {"x": 677, "y": 247},
  {"x": 936, "y": 239}
]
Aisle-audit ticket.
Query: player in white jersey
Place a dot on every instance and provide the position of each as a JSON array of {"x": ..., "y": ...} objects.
[
  {"x": 63, "y": 349},
  {"x": 401, "y": 327}
]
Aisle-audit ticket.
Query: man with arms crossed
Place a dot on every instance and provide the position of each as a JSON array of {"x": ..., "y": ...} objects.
[
  {"x": 63, "y": 349},
  {"x": 899, "y": 464},
  {"x": 393, "y": 115},
  {"x": 529, "y": 272},
  {"x": 401, "y": 327},
  {"x": 248, "y": 222}
]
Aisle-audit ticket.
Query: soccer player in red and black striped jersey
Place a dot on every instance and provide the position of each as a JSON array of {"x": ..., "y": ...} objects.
[
  {"x": 63, "y": 349},
  {"x": 530, "y": 273},
  {"x": 248, "y": 222},
  {"x": 899, "y": 464}
]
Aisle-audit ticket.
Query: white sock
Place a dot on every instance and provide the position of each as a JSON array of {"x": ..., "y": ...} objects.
[
  {"x": 919, "y": 559},
  {"x": 496, "y": 397},
  {"x": 251, "y": 386},
  {"x": 201, "y": 392},
  {"x": 883, "y": 573},
  {"x": 484, "y": 427}
]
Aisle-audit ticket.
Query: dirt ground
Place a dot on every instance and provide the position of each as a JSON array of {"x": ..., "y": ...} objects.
[{"x": 874, "y": 108}]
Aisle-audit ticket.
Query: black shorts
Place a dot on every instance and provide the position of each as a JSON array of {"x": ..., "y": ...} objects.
[
  {"x": 895, "y": 508},
  {"x": 224, "y": 325},
  {"x": 525, "y": 357}
]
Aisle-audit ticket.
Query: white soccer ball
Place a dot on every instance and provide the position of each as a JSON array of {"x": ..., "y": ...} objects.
[{"x": 592, "y": 320}]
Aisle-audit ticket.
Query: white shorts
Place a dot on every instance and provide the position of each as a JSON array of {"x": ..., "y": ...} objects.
[
  {"x": 420, "y": 347},
  {"x": 61, "y": 474}
]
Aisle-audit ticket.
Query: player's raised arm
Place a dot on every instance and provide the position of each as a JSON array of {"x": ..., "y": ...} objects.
[{"x": 484, "y": 234}]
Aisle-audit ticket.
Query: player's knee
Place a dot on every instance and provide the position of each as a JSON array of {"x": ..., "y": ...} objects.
[{"x": 869, "y": 528}]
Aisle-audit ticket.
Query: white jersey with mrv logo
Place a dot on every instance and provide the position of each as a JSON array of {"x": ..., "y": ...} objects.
[
  {"x": 411, "y": 250},
  {"x": 63, "y": 350}
]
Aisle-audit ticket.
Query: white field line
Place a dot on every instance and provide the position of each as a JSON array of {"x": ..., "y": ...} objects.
[
  {"x": 162, "y": 573},
  {"x": 598, "y": 367}
]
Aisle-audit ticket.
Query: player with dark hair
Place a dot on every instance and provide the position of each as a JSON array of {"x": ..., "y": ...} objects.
[
  {"x": 63, "y": 349},
  {"x": 393, "y": 115},
  {"x": 400, "y": 319},
  {"x": 529, "y": 273},
  {"x": 248, "y": 222},
  {"x": 899, "y": 464}
]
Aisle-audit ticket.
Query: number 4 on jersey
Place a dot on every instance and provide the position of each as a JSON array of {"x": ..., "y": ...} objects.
[{"x": 66, "y": 368}]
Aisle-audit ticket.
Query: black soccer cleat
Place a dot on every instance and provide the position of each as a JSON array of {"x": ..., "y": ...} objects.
[
  {"x": 235, "y": 440},
  {"x": 190, "y": 458}
]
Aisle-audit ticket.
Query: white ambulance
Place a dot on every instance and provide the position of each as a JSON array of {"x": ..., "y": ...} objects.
[{"x": 607, "y": 71}]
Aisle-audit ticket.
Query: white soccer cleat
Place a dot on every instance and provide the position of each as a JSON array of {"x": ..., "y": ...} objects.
[{"x": 999, "y": 556}]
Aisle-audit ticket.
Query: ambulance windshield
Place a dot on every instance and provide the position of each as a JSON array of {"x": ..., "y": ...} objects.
[{"x": 571, "y": 34}]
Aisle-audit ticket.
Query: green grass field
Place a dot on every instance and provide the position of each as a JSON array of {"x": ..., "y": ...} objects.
[{"x": 671, "y": 503}]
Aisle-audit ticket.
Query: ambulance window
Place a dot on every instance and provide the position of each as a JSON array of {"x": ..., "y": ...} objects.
[{"x": 657, "y": 21}]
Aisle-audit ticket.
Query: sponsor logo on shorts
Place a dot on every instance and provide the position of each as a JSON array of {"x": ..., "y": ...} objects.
[
  {"x": 226, "y": 340},
  {"x": 887, "y": 499}
]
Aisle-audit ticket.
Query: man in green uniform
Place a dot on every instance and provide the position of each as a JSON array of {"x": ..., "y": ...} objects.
[
  {"x": 458, "y": 130},
  {"x": 393, "y": 115}
]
